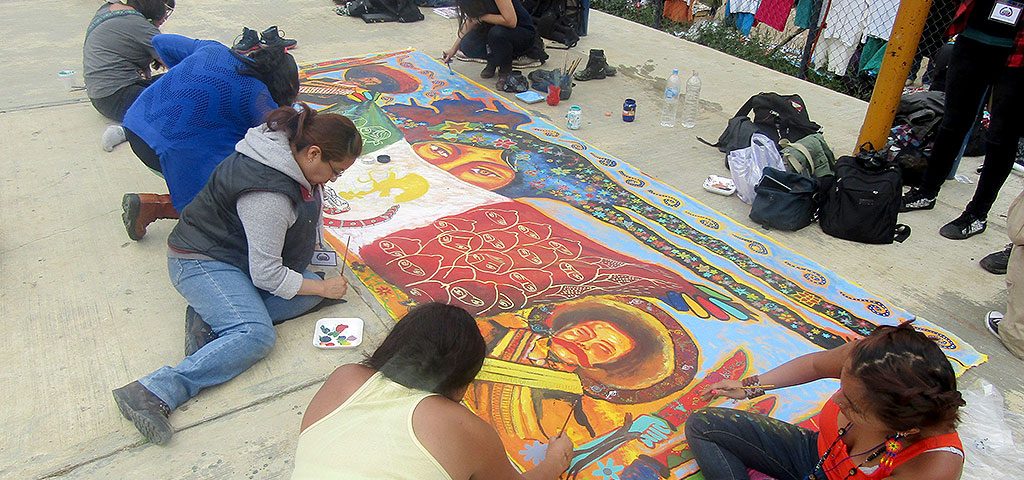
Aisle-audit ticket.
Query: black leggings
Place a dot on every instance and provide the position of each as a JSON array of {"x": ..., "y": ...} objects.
[
  {"x": 116, "y": 105},
  {"x": 143, "y": 151},
  {"x": 499, "y": 45},
  {"x": 973, "y": 69}
]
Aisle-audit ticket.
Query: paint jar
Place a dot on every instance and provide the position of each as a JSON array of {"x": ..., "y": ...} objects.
[
  {"x": 554, "y": 94},
  {"x": 67, "y": 76},
  {"x": 629, "y": 110},
  {"x": 574, "y": 118}
]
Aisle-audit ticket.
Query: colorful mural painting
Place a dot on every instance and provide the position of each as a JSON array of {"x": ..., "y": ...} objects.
[{"x": 606, "y": 297}]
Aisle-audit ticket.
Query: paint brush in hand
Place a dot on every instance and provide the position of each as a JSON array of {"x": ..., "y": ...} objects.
[
  {"x": 344, "y": 259},
  {"x": 448, "y": 62},
  {"x": 567, "y": 417}
]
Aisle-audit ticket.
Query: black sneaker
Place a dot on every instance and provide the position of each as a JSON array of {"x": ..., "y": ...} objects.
[
  {"x": 995, "y": 262},
  {"x": 248, "y": 41},
  {"x": 965, "y": 226},
  {"x": 146, "y": 411},
  {"x": 272, "y": 37},
  {"x": 915, "y": 199},
  {"x": 488, "y": 71},
  {"x": 197, "y": 332},
  {"x": 992, "y": 320}
]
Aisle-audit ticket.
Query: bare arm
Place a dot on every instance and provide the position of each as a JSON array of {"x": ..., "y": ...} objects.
[
  {"x": 494, "y": 464},
  {"x": 798, "y": 371},
  {"x": 466, "y": 27},
  {"x": 506, "y": 16}
]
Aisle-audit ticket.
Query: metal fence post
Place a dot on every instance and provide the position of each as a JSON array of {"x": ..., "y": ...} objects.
[{"x": 899, "y": 55}]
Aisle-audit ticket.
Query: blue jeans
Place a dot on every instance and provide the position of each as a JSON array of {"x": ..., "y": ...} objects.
[
  {"x": 727, "y": 442},
  {"x": 241, "y": 315}
]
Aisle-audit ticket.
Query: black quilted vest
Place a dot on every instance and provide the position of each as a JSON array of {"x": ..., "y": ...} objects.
[{"x": 209, "y": 225}]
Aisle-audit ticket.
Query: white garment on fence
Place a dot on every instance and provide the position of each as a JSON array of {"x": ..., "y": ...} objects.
[
  {"x": 845, "y": 21},
  {"x": 744, "y": 6},
  {"x": 880, "y": 18},
  {"x": 833, "y": 54}
]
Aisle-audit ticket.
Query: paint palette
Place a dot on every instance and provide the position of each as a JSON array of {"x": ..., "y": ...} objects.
[{"x": 338, "y": 333}]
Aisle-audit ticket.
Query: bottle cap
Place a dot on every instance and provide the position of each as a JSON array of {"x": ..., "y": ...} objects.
[{"x": 675, "y": 71}]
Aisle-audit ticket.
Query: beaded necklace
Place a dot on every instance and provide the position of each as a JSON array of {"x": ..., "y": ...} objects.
[{"x": 890, "y": 446}]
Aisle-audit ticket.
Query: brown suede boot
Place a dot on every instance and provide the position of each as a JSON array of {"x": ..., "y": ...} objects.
[{"x": 141, "y": 209}]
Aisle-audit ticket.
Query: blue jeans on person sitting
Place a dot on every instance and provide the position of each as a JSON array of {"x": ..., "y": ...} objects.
[
  {"x": 727, "y": 442},
  {"x": 241, "y": 315}
]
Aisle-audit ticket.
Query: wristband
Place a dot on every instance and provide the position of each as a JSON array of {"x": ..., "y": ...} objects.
[{"x": 755, "y": 382}]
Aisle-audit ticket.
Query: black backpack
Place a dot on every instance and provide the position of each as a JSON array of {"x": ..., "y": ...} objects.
[
  {"x": 864, "y": 200},
  {"x": 779, "y": 116},
  {"x": 404, "y": 11}
]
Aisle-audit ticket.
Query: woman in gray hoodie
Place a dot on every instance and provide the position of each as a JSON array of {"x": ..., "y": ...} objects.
[{"x": 239, "y": 256}]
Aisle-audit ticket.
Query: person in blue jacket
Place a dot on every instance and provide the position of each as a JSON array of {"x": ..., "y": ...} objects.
[{"x": 190, "y": 119}]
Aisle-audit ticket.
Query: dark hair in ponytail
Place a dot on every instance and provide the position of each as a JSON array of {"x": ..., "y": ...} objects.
[
  {"x": 153, "y": 10},
  {"x": 335, "y": 134},
  {"x": 909, "y": 380},
  {"x": 277, "y": 70},
  {"x": 435, "y": 347}
]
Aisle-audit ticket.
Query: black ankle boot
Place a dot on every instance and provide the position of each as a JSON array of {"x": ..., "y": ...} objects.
[
  {"x": 248, "y": 41},
  {"x": 272, "y": 37},
  {"x": 597, "y": 67},
  {"x": 197, "y": 332},
  {"x": 146, "y": 411},
  {"x": 488, "y": 71}
]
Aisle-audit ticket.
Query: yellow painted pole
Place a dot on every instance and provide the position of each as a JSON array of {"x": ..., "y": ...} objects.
[{"x": 899, "y": 55}]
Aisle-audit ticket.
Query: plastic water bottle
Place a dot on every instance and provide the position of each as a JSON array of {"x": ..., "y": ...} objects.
[
  {"x": 672, "y": 87},
  {"x": 691, "y": 105}
]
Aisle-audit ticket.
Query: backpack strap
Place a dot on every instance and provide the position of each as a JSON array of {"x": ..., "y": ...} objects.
[
  {"x": 807, "y": 154},
  {"x": 746, "y": 108},
  {"x": 107, "y": 16}
]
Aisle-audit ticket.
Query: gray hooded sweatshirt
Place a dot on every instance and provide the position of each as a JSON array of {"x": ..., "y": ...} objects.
[{"x": 267, "y": 216}]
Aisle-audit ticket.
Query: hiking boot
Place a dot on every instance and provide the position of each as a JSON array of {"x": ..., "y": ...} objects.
[
  {"x": 138, "y": 210},
  {"x": 146, "y": 411},
  {"x": 248, "y": 41},
  {"x": 597, "y": 66},
  {"x": 272, "y": 37},
  {"x": 197, "y": 332},
  {"x": 488, "y": 71},
  {"x": 996, "y": 262},
  {"x": 965, "y": 226},
  {"x": 915, "y": 199},
  {"x": 992, "y": 320}
]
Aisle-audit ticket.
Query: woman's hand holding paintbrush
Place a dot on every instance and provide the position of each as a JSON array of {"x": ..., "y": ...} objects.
[{"x": 733, "y": 389}]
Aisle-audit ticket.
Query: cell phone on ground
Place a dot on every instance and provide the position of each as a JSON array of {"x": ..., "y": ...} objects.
[{"x": 378, "y": 18}]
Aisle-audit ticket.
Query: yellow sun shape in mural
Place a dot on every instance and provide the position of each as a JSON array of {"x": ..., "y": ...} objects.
[{"x": 455, "y": 127}]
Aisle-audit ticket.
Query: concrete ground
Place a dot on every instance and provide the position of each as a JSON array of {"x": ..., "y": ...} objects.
[{"x": 84, "y": 310}]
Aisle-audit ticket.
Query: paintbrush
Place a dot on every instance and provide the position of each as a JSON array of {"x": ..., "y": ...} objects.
[
  {"x": 567, "y": 417},
  {"x": 448, "y": 63},
  {"x": 344, "y": 259}
]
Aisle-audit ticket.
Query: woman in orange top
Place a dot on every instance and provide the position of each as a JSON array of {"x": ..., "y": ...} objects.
[{"x": 894, "y": 416}]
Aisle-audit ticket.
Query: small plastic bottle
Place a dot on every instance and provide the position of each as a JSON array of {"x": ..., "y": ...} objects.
[
  {"x": 671, "y": 106},
  {"x": 691, "y": 105}
]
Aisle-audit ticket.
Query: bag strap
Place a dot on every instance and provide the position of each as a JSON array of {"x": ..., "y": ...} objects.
[
  {"x": 107, "y": 16},
  {"x": 807, "y": 154},
  {"x": 746, "y": 108}
]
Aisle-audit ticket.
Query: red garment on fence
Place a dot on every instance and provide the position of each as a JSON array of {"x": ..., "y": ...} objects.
[{"x": 774, "y": 13}]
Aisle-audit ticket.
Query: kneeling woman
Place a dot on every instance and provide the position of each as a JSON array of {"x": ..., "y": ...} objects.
[
  {"x": 496, "y": 30},
  {"x": 397, "y": 414},
  {"x": 894, "y": 416},
  {"x": 239, "y": 256}
]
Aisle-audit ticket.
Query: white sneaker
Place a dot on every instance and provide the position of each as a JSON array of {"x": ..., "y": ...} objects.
[
  {"x": 112, "y": 137},
  {"x": 992, "y": 320}
]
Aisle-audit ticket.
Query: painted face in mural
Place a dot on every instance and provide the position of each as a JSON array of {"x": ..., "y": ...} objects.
[
  {"x": 591, "y": 343},
  {"x": 482, "y": 167}
]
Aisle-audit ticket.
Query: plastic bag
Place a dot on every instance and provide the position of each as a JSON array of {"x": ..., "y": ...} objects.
[
  {"x": 985, "y": 431},
  {"x": 747, "y": 165}
]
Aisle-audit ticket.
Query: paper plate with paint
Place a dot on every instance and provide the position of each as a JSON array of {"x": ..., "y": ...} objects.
[{"x": 338, "y": 333}]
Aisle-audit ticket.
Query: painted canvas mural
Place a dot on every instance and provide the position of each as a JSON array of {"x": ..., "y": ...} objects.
[{"x": 606, "y": 297}]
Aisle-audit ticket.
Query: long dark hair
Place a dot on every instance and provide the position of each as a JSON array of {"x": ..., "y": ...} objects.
[
  {"x": 474, "y": 9},
  {"x": 277, "y": 70},
  {"x": 909, "y": 380},
  {"x": 153, "y": 10},
  {"x": 435, "y": 347},
  {"x": 335, "y": 134}
]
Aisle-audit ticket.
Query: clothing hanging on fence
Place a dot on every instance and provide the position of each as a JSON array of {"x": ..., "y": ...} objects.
[
  {"x": 743, "y": 11},
  {"x": 805, "y": 12},
  {"x": 743, "y": 6},
  {"x": 881, "y": 15},
  {"x": 833, "y": 54},
  {"x": 774, "y": 13},
  {"x": 678, "y": 11},
  {"x": 872, "y": 55}
]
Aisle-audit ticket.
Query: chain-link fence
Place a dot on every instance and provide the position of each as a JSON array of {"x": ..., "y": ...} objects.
[{"x": 839, "y": 44}]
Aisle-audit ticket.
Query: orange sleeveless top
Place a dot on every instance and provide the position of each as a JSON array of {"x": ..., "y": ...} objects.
[{"x": 838, "y": 465}]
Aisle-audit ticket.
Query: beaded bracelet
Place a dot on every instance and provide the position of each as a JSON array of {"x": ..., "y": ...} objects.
[{"x": 753, "y": 381}]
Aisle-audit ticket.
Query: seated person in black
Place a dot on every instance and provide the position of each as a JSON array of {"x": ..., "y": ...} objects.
[{"x": 496, "y": 30}]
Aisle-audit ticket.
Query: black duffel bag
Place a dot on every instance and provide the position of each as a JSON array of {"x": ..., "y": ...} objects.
[
  {"x": 863, "y": 202},
  {"x": 784, "y": 201}
]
